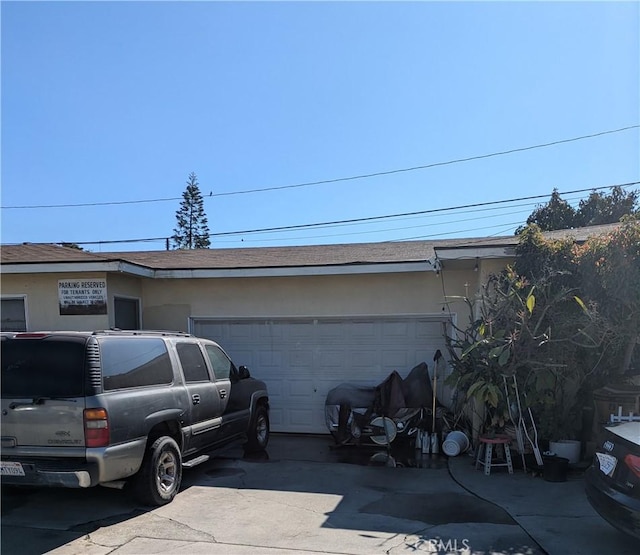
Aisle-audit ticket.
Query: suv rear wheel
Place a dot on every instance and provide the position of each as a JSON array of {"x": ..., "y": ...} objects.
[
  {"x": 259, "y": 430},
  {"x": 158, "y": 480}
]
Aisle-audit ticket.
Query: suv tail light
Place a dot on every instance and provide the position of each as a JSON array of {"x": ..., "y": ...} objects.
[
  {"x": 633, "y": 462},
  {"x": 96, "y": 427}
]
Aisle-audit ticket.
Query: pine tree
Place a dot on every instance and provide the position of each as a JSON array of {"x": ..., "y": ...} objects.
[{"x": 192, "y": 231}]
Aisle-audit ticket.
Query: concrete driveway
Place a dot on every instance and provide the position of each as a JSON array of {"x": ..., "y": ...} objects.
[{"x": 301, "y": 499}]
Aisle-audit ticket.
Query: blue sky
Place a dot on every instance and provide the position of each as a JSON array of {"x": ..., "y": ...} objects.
[{"x": 112, "y": 102}]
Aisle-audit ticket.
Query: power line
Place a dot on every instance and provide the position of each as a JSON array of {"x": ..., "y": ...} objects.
[
  {"x": 387, "y": 230},
  {"x": 419, "y": 212},
  {"x": 357, "y": 220},
  {"x": 336, "y": 180},
  {"x": 511, "y": 226}
]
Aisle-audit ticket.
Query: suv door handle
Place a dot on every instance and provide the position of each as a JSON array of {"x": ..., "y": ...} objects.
[
  {"x": 195, "y": 399},
  {"x": 223, "y": 393}
]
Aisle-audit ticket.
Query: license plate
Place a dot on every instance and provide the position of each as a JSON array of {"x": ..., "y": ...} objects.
[
  {"x": 607, "y": 463},
  {"x": 11, "y": 469}
]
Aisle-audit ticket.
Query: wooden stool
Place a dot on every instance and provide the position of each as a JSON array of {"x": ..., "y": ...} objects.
[{"x": 485, "y": 453}]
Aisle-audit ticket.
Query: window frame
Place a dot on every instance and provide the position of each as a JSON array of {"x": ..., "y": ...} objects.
[
  {"x": 18, "y": 297},
  {"x": 203, "y": 356},
  {"x": 113, "y": 339},
  {"x": 232, "y": 367}
]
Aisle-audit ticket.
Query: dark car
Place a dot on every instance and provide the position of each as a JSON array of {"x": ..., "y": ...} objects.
[{"x": 613, "y": 480}]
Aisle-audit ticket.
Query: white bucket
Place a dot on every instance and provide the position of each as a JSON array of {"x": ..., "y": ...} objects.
[
  {"x": 566, "y": 448},
  {"x": 455, "y": 443}
]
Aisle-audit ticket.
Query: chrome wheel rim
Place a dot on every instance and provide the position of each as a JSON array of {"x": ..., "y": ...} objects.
[
  {"x": 167, "y": 471},
  {"x": 262, "y": 430}
]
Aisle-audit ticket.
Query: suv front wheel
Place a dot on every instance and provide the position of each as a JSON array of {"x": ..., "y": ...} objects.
[
  {"x": 158, "y": 480},
  {"x": 259, "y": 430}
]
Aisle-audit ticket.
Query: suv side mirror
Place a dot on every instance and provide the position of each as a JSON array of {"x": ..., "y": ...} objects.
[{"x": 243, "y": 372}]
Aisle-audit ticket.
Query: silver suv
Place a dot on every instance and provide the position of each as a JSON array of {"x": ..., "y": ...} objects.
[{"x": 116, "y": 409}]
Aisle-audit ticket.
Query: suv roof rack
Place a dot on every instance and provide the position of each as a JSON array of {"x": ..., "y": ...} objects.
[{"x": 168, "y": 333}]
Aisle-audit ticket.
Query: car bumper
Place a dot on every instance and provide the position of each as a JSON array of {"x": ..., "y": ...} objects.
[
  {"x": 76, "y": 467},
  {"x": 44, "y": 473},
  {"x": 618, "y": 509}
]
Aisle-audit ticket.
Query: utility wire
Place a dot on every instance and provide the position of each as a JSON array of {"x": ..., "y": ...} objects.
[
  {"x": 356, "y": 220},
  {"x": 336, "y": 180},
  {"x": 419, "y": 212}
]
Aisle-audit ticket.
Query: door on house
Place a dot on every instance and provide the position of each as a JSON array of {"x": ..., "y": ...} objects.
[{"x": 127, "y": 313}]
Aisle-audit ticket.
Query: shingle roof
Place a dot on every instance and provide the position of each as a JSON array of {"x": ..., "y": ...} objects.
[
  {"x": 274, "y": 257},
  {"x": 44, "y": 253}
]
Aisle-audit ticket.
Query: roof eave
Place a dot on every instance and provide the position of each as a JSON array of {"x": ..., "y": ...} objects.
[
  {"x": 471, "y": 252},
  {"x": 69, "y": 267},
  {"x": 294, "y": 271}
]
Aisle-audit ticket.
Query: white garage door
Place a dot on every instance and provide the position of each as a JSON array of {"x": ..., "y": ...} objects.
[{"x": 301, "y": 359}]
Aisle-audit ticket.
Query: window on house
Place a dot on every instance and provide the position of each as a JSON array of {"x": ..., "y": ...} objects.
[{"x": 13, "y": 315}]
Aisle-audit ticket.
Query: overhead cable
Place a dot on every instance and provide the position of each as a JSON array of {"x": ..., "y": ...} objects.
[
  {"x": 356, "y": 220},
  {"x": 335, "y": 180}
]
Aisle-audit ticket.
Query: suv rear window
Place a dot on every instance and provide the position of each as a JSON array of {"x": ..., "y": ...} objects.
[
  {"x": 134, "y": 362},
  {"x": 46, "y": 367}
]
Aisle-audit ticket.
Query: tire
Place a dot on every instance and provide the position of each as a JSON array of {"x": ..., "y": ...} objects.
[
  {"x": 158, "y": 480},
  {"x": 258, "y": 430}
]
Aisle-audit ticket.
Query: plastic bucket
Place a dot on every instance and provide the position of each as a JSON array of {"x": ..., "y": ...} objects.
[
  {"x": 554, "y": 469},
  {"x": 455, "y": 443},
  {"x": 567, "y": 448}
]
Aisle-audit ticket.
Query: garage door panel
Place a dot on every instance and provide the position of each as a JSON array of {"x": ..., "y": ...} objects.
[
  {"x": 267, "y": 331},
  {"x": 276, "y": 417},
  {"x": 397, "y": 330},
  {"x": 396, "y": 360},
  {"x": 363, "y": 331},
  {"x": 297, "y": 331},
  {"x": 240, "y": 357},
  {"x": 241, "y": 331},
  {"x": 331, "y": 360},
  {"x": 213, "y": 330},
  {"x": 276, "y": 387},
  {"x": 426, "y": 330},
  {"x": 269, "y": 358},
  {"x": 360, "y": 360},
  {"x": 302, "y": 359},
  {"x": 332, "y": 332},
  {"x": 300, "y": 419},
  {"x": 299, "y": 390},
  {"x": 424, "y": 356}
]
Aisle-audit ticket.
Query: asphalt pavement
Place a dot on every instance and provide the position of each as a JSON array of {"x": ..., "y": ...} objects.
[{"x": 306, "y": 496}]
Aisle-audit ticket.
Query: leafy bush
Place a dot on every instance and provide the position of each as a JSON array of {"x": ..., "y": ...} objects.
[{"x": 562, "y": 321}]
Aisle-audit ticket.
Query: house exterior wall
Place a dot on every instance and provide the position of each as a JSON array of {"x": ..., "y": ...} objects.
[
  {"x": 460, "y": 281},
  {"x": 170, "y": 302},
  {"x": 40, "y": 292},
  {"x": 41, "y": 301}
]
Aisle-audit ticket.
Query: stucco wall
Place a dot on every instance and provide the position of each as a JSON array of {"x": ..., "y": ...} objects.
[
  {"x": 41, "y": 293},
  {"x": 41, "y": 305},
  {"x": 171, "y": 302}
]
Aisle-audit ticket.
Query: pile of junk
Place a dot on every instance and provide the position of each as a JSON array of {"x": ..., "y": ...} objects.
[{"x": 397, "y": 410}]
